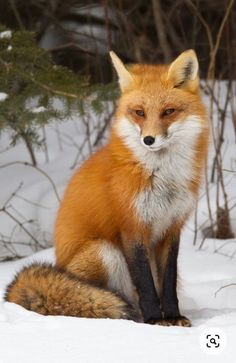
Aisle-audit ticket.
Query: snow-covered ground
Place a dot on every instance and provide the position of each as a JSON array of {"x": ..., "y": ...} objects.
[
  {"x": 26, "y": 337},
  {"x": 29, "y": 337}
]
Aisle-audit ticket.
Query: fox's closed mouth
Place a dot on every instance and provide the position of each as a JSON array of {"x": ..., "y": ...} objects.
[{"x": 156, "y": 148}]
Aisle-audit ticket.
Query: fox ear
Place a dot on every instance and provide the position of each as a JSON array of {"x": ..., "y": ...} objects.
[
  {"x": 125, "y": 78},
  {"x": 183, "y": 72}
]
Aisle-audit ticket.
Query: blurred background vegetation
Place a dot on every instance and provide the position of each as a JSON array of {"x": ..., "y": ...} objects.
[{"x": 79, "y": 34}]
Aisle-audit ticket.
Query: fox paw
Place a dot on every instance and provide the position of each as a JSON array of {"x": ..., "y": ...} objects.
[
  {"x": 180, "y": 321},
  {"x": 130, "y": 313}
]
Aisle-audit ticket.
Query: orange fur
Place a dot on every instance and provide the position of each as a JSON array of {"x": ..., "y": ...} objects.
[
  {"x": 98, "y": 202},
  {"x": 96, "y": 205}
]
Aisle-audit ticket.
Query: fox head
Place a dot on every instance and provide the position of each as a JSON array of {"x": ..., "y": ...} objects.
[{"x": 160, "y": 105}]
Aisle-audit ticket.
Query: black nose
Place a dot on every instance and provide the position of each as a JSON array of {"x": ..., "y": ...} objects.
[{"x": 149, "y": 140}]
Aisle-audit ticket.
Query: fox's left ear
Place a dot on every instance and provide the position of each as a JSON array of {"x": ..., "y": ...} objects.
[
  {"x": 125, "y": 78},
  {"x": 183, "y": 72}
]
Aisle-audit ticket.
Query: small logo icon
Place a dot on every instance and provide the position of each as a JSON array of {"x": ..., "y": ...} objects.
[{"x": 213, "y": 341}]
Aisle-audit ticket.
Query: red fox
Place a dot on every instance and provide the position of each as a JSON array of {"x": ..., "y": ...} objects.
[{"x": 118, "y": 227}]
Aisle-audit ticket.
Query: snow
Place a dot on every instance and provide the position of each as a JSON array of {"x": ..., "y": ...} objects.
[
  {"x": 7, "y": 34},
  {"x": 38, "y": 109},
  {"x": 26, "y": 336},
  {"x": 3, "y": 96}
]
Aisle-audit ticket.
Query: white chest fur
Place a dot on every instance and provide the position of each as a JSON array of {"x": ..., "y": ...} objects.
[{"x": 168, "y": 198}]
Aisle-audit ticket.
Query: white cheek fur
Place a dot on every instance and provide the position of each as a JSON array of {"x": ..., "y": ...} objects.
[
  {"x": 181, "y": 139},
  {"x": 169, "y": 197}
]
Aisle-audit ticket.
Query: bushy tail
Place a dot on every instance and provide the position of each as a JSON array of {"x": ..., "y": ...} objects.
[{"x": 50, "y": 290}]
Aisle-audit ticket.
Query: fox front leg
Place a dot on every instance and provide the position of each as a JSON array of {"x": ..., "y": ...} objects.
[
  {"x": 141, "y": 275},
  {"x": 169, "y": 299}
]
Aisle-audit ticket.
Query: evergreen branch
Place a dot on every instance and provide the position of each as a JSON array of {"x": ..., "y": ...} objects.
[{"x": 56, "y": 92}]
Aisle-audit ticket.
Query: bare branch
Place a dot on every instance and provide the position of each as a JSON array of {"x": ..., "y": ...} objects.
[
  {"x": 223, "y": 287},
  {"x": 160, "y": 29},
  {"x": 25, "y": 163}
]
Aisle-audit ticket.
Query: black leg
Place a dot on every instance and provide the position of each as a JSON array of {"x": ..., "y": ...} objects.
[
  {"x": 142, "y": 278},
  {"x": 169, "y": 299}
]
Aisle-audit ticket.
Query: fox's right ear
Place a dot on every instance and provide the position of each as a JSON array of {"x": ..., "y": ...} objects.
[{"x": 125, "y": 78}]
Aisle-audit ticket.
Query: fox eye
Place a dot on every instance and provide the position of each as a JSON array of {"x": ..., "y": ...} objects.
[
  {"x": 140, "y": 113},
  {"x": 168, "y": 111}
]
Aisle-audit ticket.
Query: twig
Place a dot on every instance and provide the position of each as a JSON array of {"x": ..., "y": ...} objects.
[
  {"x": 69, "y": 46},
  {"x": 30, "y": 202},
  {"x": 25, "y": 163},
  {"x": 214, "y": 51},
  {"x": 4, "y": 210},
  {"x": 229, "y": 171},
  {"x": 223, "y": 287},
  {"x": 204, "y": 23},
  {"x": 17, "y": 15},
  {"x": 161, "y": 31}
]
